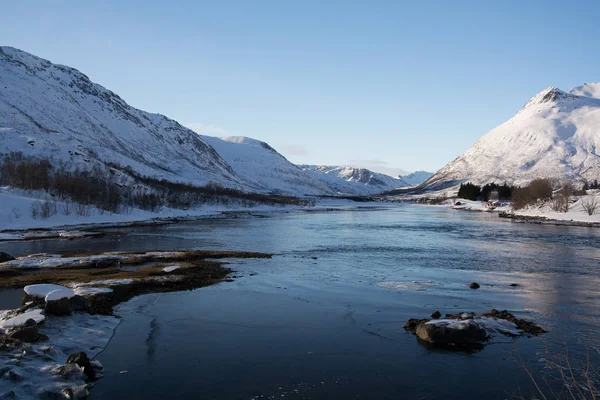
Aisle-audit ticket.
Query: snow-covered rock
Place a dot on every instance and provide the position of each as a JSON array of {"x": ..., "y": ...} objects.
[
  {"x": 35, "y": 314},
  {"x": 555, "y": 135},
  {"x": 353, "y": 181},
  {"x": 64, "y": 293},
  {"x": 43, "y": 289}
]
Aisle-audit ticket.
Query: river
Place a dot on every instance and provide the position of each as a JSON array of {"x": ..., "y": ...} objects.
[{"x": 323, "y": 318}]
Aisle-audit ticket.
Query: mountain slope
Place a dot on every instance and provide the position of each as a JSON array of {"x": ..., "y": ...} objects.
[
  {"x": 415, "y": 178},
  {"x": 56, "y": 111},
  {"x": 555, "y": 135},
  {"x": 353, "y": 181},
  {"x": 258, "y": 163},
  {"x": 53, "y": 111}
]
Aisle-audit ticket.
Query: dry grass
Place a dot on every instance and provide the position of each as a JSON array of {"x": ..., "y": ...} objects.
[{"x": 578, "y": 380}]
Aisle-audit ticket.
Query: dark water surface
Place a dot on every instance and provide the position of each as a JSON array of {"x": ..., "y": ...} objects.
[{"x": 300, "y": 328}]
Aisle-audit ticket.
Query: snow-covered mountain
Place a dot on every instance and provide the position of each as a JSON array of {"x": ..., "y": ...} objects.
[
  {"x": 415, "y": 178},
  {"x": 258, "y": 163},
  {"x": 353, "y": 181},
  {"x": 50, "y": 110},
  {"x": 555, "y": 135}
]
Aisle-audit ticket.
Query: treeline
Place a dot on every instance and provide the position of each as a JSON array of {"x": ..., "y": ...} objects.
[
  {"x": 102, "y": 188},
  {"x": 558, "y": 194},
  {"x": 593, "y": 185},
  {"x": 471, "y": 191}
]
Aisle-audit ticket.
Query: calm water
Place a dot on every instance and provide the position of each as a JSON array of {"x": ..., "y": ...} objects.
[{"x": 295, "y": 327}]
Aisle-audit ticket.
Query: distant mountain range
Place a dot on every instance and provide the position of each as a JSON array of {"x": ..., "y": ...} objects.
[
  {"x": 555, "y": 135},
  {"x": 355, "y": 181},
  {"x": 53, "y": 111}
]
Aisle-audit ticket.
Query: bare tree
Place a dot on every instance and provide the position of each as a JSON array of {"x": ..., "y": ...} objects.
[
  {"x": 561, "y": 201},
  {"x": 590, "y": 204}
]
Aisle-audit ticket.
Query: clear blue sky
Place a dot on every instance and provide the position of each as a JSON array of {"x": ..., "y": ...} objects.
[{"x": 383, "y": 84}]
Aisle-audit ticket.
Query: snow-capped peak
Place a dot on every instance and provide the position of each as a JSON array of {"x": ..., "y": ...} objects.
[{"x": 548, "y": 95}]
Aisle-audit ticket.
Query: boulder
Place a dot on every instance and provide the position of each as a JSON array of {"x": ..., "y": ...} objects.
[
  {"x": 79, "y": 303},
  {"x": 411, "y": 324},
  {"x": 445, "y": 332},
  {"x": 58, "y": 307},
  {"x": 5, "y": 257},
  {"x": 8, "y": 395},
  {"x": 81, "y": 359},
  {"x": 474, "y": 285},
  {"x": 28, "y": 332},
  {"x": 436, "y": 315}
]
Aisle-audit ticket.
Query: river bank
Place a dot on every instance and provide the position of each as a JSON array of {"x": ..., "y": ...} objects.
[{"x": 73, "y": 296}]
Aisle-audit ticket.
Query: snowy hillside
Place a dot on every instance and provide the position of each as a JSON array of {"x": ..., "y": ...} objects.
[
  {"x": 258, "y": 163},
  {"x": 353, "y": 181},
  {"x": 53, "y": 111},
  {"x": 556, "y": 135},
  {"x": 415, "y": 178},
  {"x": 56, "y": 111}
]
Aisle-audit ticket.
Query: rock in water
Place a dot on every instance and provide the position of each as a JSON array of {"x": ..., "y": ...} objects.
[
  {"x": 5, "y": 257},
  {"x": 80, "y": 358},
  {"x": 58, "y": 307},
  {"x": 28, "y": 332},
  {"x": 411, "y": 324},
  {"x": 451, "y": 332},
  {"x": 436, "y": 315},
  {"x": 474, "y": 285}
]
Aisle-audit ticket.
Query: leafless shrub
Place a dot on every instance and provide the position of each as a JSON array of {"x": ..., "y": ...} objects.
[
  {"x": 35, "y": 210},
  {"x": 561, "y": 201},
  {"x": 536, "y": 191},
  {"x": 103, "y": 189},
  {"x": 579, "y": 379},
  {"x": 17, "y": 213},
  {"x": 48, "y": 208},
  {"x": 83, "y": 210},
  {"x": 590, "y": 204},
  {"x": 67, "y": 207}
]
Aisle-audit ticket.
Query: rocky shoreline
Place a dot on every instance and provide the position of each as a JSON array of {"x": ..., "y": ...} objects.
[
  {"x": 546, "y": 221},
  {"x": 67, "y": 318}
]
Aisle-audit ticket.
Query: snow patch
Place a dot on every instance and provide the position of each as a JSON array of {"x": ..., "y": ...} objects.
[
  {"x": 64, "y": 293},
  {"x": 35, "y": 313},
  {"x": 107, "y": 282},
  {"x": 91, "y": 291},
  {"x": 43, "y": 289}
]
